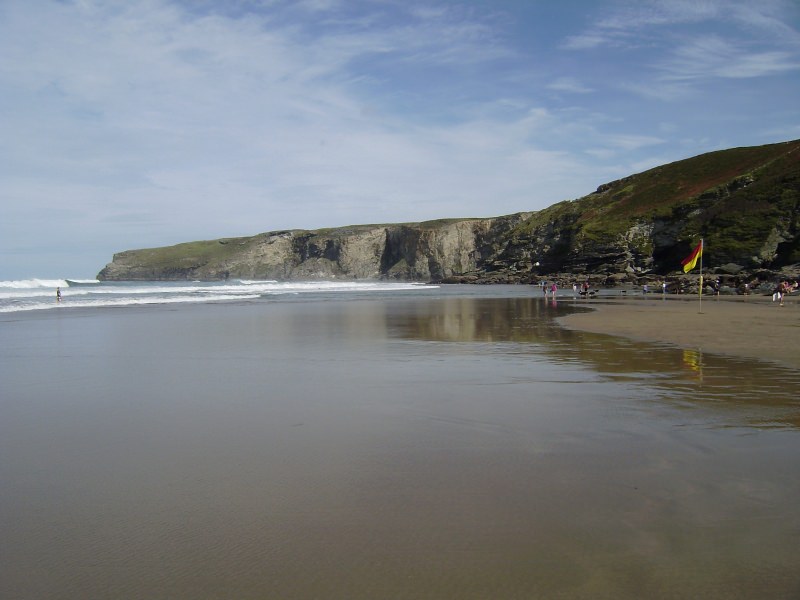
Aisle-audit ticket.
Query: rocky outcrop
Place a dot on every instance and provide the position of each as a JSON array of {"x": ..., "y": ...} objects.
[{"x": 744, "y": 202}]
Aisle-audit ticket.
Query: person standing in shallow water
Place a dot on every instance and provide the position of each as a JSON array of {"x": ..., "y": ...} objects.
[{"x": 58, "y": 294}]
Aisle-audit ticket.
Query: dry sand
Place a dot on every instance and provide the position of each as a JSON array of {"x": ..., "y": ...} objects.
[{"x": 743, "y": 326}]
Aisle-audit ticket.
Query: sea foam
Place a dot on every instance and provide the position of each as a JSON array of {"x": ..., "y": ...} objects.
[{"x": 40, "y": 294}]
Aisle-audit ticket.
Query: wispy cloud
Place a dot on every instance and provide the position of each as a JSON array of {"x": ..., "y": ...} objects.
[
  {"x": 588, "y": 41},
  {"x": 737, "y": 40},
  {"x": 159, "y": 121},
  {"x": 632, "y": 20},
  {"x": 713, "y": 56},
  {"x": 633, "y": 142},
  {"x": 570, "y": 85},
  {"x": 767, "y": 18},
  {"x": 658, "y": 14},
  {"x": 147, "y": 115},
  {"x": 628, "y": 25}
]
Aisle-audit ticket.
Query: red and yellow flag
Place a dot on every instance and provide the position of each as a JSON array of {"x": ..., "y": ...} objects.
[{"x": 690, "y": 261}]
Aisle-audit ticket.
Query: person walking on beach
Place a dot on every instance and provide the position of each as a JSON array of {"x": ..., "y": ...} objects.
[
  {"x": 553, "y": 289},
  {"x": 777, "y": 293},
  {"x": 58, "y": 294},
  {"x": 783, "y": 289}
]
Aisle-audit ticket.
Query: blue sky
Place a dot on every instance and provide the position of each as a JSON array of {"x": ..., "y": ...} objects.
[{"x": 134, "y": 124}]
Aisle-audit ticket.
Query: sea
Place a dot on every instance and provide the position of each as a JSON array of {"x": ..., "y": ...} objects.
[
  {"x": 362, "y": 440},
  {"x": 40, "y": 294}
]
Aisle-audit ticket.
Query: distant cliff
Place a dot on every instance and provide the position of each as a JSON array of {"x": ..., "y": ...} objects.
[
  {"x": 745, "y": 203},
  {"x": 428, "y": 251}
]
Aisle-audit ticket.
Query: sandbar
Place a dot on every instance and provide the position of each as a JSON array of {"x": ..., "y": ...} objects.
[{"x": 742, "y": 326}]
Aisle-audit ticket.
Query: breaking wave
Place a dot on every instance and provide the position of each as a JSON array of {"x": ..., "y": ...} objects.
[{"x": 40, "y": 294}]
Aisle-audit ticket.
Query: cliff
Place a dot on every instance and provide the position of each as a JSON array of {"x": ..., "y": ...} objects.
[
  {"x": 744, "y": 202},
  {"x": 428, "y": 251}
]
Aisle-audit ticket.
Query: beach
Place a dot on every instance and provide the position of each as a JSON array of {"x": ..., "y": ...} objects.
[
  {"x": 427, "y": 443},
  {"x": 744, "y": 326}
]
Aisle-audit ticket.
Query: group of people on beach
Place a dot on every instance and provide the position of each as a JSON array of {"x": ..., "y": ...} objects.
[
  {"x": 552, "y": 288},
  {"x": 780, "y": 291}
]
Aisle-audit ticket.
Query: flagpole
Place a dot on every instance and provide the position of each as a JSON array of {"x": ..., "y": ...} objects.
[{"x": 702, "y": 251}]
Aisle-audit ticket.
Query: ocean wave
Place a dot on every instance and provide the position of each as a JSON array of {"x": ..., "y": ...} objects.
[
  {"x": 31, "y": 284},
  {"x": 81, "y": 282},
  {"x": 122, "y": 302},
  {"x": 40, "y": 294}
]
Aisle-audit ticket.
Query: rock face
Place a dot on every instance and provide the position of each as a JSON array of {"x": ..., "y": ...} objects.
[
  {"x": 428, "y": 251},
  {"x": 744, "y": 202}
]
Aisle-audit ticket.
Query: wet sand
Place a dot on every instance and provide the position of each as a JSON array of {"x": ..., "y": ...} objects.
[
  {"x": 746, "y": 327},
  {"x": 438, "y": 447}
]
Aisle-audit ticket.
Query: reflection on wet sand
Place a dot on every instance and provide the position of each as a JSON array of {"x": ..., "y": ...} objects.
[
  {"x": 479, "y": 320},
  {"x": 736, "y": 392},
  {"x": 447, "y": 447}
]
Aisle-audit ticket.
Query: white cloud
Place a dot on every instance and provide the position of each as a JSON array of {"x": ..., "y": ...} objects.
[
  {"x": 628, "y": 25},
  {"x": 713, "y": 56},
  {"x": 759, "y": 65},
  {"x": 674, "y": 50},
  {"x": 767, "y": 17},
  {"x": 601, "y": 153},
  {"x": 633, "y": 142},
  {"x": 152, "y": 120},
  {"x": 156, "y": 121},
  {"x": 658, "y": 14},
  {"x": 570, "y": 85},
  {"x": 615, "y": 145},
  {"x": 588, "y": 41}
]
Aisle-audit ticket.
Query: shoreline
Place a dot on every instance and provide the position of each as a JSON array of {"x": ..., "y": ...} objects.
[{"x": 741, "y": 326}]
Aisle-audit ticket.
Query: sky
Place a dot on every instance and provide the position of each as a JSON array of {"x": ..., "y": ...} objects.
[{"x": 142, "y": 123}]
